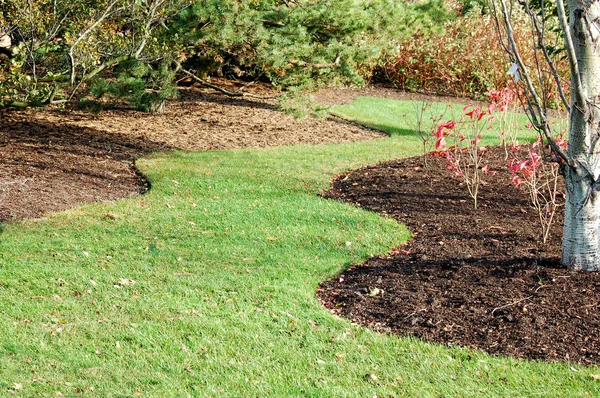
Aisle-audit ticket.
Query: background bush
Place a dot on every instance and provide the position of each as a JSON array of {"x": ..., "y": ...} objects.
[{"x": 466, "y": 59}]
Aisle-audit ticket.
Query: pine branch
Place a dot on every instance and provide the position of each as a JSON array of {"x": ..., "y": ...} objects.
[
  {"x": 217, "y": 88},
  {"x": 335, "y": 63}
]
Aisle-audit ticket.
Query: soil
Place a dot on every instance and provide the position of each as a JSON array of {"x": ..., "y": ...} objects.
[{"x": 478, "y": 278}]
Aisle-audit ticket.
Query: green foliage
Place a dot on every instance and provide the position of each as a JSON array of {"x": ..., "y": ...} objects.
[
  {"x": 61, "y": 47},
  {"x": 304, "y": 42},
  {"x": 144, "y": 86},
  {"x": 301, "y": 103},
  {"x": 468, "y": 6},
  {"x": 65, "y": 48}
]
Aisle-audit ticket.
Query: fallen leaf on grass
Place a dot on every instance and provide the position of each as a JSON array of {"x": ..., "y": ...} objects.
[{"x": 111, "y": 216}]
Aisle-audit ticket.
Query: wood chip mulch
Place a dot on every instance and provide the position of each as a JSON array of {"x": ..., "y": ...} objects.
[{"x": 478, "y": 278}]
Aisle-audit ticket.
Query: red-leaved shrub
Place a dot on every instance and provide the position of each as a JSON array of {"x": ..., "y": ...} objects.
[{"x": 466, "y": 60}]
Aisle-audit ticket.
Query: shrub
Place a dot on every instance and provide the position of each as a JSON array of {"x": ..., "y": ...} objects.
[{"x": 466, "y": 60}]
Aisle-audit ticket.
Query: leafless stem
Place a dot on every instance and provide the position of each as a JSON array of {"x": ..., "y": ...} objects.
[
  {"x": 511, "y": 304},
  {"x": 148, "y": 26},
  {"x": 540, "y": 33},
  {"x": 536, "y": 108},
  {"x": 536, "y": 103},
  {"x": 215, "y": 87}
]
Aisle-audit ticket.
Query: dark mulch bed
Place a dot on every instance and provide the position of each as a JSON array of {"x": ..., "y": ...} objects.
[{"x": 475, "y": 278}]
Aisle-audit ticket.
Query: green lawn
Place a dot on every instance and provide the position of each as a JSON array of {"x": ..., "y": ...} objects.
[
  {"x": 206, "y": 287},
  {"x": 395, "y": 117},
  {"x": 398, "y": 118}
]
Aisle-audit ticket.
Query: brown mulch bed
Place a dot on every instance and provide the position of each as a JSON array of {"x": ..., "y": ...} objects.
[
  {"x": 53, "y": 160},
  {"x": 476, "y": 278}
]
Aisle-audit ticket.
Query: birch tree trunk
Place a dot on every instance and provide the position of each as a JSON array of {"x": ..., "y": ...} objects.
[{"x": 581, "y": 237}]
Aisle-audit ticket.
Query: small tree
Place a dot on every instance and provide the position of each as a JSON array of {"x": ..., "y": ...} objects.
[
  {"x": 303, "y": 42},
  {"x": 465, "y": 158},
  {"x": 578, "y": 22}
]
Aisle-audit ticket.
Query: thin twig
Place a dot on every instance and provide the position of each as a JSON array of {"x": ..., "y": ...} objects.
[
  {"x": 217, "y": 88},
  {"x": 511, "y": 304}
]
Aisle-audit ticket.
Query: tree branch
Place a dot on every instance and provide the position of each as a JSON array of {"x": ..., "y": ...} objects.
[
  {"x": 516, "y": 54},
  {"x": 575, "y": 77},
  {"x": 542, "y": 45},
  {"x": 217, "y": 88},
  {"x": 537, "y": 111},
  {"x": 148, "y": 26},
  {"x": 89, "y": 30},
  {"x": 335, "y": 63}
]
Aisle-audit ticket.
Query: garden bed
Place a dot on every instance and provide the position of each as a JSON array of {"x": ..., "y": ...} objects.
[{"x": 478, "y": 278}]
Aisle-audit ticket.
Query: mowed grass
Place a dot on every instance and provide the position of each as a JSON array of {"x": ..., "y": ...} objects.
[
  {"x": 206, "y": 287},
  {"x": 399, "y": 118}
]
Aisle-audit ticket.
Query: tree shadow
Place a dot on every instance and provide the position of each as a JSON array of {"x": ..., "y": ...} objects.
[
  {"x": 196, "y": 95},
  {"x": 499, "y": 269},
  {"x": 49, "y": 166},
  {"x": 393, "y": 131}
]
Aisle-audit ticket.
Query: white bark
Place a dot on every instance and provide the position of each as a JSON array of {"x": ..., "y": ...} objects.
[
  {"x": 5, "y": 41},
  {"x": 581, "y": 236}
]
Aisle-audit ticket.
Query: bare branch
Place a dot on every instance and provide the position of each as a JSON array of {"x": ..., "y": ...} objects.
[
  {"x": 540, "y": 32},
  {"x": 147, "y": 28},
  {"x": 575, "y": 77},
  {"x": 517, "y": 55},
  {"x": 536, "y": 108},
  {"x": 511, "y": 304},
  {"x": 217, "y": 88},
  {"x": 89, "y": 30},
  {"x": 335, "y": 63}
]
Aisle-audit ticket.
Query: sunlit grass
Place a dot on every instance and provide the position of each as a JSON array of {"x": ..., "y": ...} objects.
[
  {"x": 399, "y": 118},
  {"x": 206, "y": 287}
]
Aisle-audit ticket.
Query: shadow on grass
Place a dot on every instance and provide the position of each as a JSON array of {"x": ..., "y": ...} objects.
[{"x": 386, "y": 129}]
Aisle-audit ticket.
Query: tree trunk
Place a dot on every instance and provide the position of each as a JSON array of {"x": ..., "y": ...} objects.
[{"x": 581, "y": 236}]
